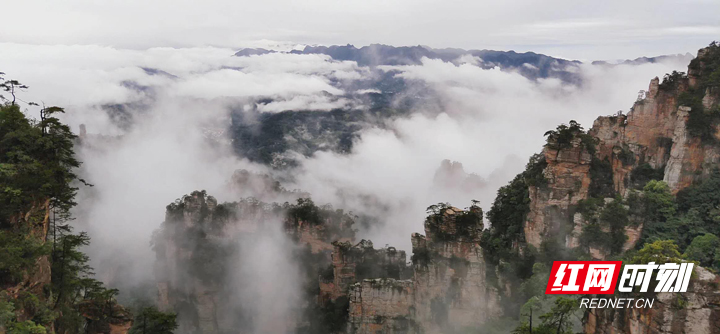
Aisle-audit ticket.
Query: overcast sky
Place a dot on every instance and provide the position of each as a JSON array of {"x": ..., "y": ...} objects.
[{"x": 575, "y": 29}]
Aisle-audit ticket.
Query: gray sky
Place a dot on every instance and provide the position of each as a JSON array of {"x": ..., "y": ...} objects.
[{"x": 573, "y": 29}]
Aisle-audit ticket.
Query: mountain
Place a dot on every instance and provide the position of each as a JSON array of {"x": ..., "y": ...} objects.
[
  {"x": 529, "y": 64},
  {"x": 684, "y": 58},
  {"x": 637, "y": 185}
]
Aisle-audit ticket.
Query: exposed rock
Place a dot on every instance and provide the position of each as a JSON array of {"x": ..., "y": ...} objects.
[
  {"x": 678, "y": 313},
  {"x": 654, "y": 132},
  {"x": 351, "y": 264},
  {"x": 448, "y": 290},
  {"x": 568, "y": 175},
  {"x": 382, "y": 306},
  {"x": 38, "y": 278},
  {"x": 198, "y": 238}
]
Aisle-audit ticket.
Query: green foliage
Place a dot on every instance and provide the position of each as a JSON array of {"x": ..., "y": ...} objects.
[
  {"x": 8, "y": 321},
  {"x": 37, "y": 160},
  {"x": 534, "y": 169},
  {"x": 657, "y": 207},
  {"x": 371, "y": 263},
  {"x": 701, "y": 123},
  {"x": 20, "y": 252},
  {"x": 82, "y": 301},
  {"x": 671, "y": 81},
  {"x": 305, "y": 210},
  {"x": 26, "y": 327},
  {"x": 601, "y": 178},
  {"x": 563, "y": 136},
  {"x": 335, "y": 314},
  {"x": 10, "y": 86},
  {"x": 659, "y": 200},
  {"x": 7, "y": 312},
  {"x": 660, "y": 251},
  {"x": 705, "y": 249},
  {"x": 507, "y": 215},
  {"x": 502, "y": 242},
  {"x": 559, "y": 320},
  {"x": 626, "y": 156},
  {"x": 606, "y": 229},
  {"x": 468, "y": 222},
  {"x": 421, "y": 257},
  {"x": 644, "y": 173},
  {"x": 709, "y": 63},
  {"x": 329, "y": 317},
  {"x": 338, "y": 224},
  {"x": 535, "y": 285},
  {"x": 703, "y": 197},
  {"x": 151, "y": 321}
]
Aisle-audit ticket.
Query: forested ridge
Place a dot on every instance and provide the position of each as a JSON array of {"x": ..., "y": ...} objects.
[{"x": 46, "y": 283}]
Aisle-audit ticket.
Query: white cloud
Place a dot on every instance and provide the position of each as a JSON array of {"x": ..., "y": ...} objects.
[
  {"x": 488, "y": 119},
  {"x": 492, "y": 122}
]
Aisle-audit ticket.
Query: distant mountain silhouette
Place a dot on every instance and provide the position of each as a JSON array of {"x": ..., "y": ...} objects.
[{"x": 529, "y": 64}]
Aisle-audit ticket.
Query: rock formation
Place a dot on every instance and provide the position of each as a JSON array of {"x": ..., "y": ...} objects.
[
  {"x": 654, "y": 135},
  {"x": 351, "y": 264},
  {"x": 694, "y": 312},
  {"x": 448, "y": 290},
  {"x": 200, "y": 236},
  {"x": 671, "y": 133}
]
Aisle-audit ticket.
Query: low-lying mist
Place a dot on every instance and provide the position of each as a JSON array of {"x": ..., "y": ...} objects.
[{"x": 158, "y": 124}]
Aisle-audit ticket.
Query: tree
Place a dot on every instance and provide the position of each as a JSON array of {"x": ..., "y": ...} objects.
[
  {"x": 658, "y": 211},
  {"x": 563, "y": 136},
  {"x": 532, "y": 305},
  {"x": 557, "y": 321},
  {"x": 152, "y": 321},
  {"x": 10, "y": 86},
  {"x": 660, "y": 251},
  {"x": 704, "y": 250},
  {"x": 37, "y": 163},
  {"x": 559, "y": 315}
]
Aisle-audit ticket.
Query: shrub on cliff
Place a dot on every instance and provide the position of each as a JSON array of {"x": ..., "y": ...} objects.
[
  {"x": 671, "y": 81},
  {"x": 151, "y": 321},
  {"x": 705, "y": 249},
  {"x": 644, "y": 173},
  {"x": 563, "y": 136},
  {"x": 601, "y": 178},
  {"x": 606, "y": 228},
  {"x": 37, "y": 162},
  {"x": 701, "y": 122}
]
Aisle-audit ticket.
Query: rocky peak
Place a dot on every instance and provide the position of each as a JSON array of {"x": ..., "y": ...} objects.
[
  {"x": 692, "y": 312},
  {"x": 664, "y": 131},
  {"x": 353, "y": 263},
  {"x": 447, "y": 223}
]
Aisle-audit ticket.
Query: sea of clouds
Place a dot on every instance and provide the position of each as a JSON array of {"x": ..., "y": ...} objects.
[{"x": 490, "y": 120}]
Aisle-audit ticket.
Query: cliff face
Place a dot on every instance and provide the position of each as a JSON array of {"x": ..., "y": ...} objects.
[
  {"x": 568, "y": 180},
  {"x": 36, "y": 221},
  {"x": 351, "y": 264},
  {"x": 199, "y": 239},
  {"x": 670, "y": 132},
  {"x": 694, "y": 312},
  {"x": 447, "y": 292},
  {"x": 653, "y": 135},
  {"x": 382, "y": 306}
]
